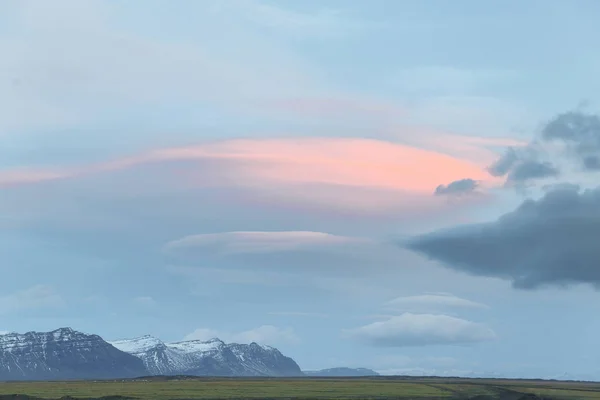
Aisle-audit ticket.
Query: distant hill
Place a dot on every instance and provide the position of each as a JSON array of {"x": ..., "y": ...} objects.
[{"x": 342, "y": 371}]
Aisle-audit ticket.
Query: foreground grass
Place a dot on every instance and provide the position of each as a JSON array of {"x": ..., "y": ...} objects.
[
  {"x": 229, "y": 388},
  {"x": 298, "y": 389}
]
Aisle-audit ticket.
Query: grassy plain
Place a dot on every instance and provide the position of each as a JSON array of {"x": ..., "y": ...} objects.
[{"x": 306, "y": 388}]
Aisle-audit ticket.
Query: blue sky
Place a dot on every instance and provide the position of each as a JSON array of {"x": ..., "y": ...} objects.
[{"x": 252, "y": 169}]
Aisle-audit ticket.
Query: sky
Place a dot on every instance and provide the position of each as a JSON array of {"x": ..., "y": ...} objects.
[{"x": 399, "y": 185}]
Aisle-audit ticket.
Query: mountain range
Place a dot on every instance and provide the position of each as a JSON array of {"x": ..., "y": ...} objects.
[
  {"x": 66, "y": 354},
  {"x": 213, "y": 357}
]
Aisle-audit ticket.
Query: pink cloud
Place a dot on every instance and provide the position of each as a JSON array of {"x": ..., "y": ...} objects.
[
  {"x": 22, "y": 176},
  {"x": 362, "y": 163},
  {"x": 347, "y": 173}
]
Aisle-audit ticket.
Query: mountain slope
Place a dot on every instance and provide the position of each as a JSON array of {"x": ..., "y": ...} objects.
[
  {"x": 208, "y": 358},
  {"x": 157, "y": 358},
  {"x": 63, "y": 354},
  {"x": 264, "y": 360}
]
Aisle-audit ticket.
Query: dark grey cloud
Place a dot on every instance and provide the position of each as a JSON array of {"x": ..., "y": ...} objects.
[
  {"x": 505, "y": 163},
  {"x": 530, "y": 169},
  {"x": 550, "y": 241},
  {"x": 524, "y": 164},
  {"x": 592, "y": 163},
  {"x": 577, "y": 128},
  {"x": 459, "y": 187},
  {"x": 580, "y": 132}
]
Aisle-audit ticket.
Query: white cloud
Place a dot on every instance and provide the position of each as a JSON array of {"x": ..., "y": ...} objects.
[
  {"x": 35, "y": 297},
  {"x": 432, "y": 301},
  {"x": 264, "y": 334},
  {"x": 421, "y": 330},
  {"x": 261, "y": 242}
]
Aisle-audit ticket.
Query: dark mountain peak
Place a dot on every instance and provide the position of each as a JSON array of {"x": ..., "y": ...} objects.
[
  {"x": 65, "y": 330},
  {"x": 212, "y": 340},
  {"x": 63, "y": 353},
  {"x": 253, "y": 345},
  {"x": 69, "y": 334}
]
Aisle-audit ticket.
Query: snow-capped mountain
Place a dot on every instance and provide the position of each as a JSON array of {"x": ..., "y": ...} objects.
[
  {"x": 63, "y": 354},
  {"x": 213, "y": 357}
]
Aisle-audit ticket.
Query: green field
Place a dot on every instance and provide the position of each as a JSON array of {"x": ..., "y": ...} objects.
[{"x": 359, "y": 388}]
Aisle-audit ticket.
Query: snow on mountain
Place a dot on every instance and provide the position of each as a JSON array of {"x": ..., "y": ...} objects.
[
  {"x": 213, "y": 357},
  {"x": 197, "y": 346},
  {"x": 137, "y": 345},
  {"x": 68, "y": 354}
]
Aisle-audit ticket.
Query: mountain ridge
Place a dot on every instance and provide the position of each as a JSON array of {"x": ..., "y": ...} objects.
[
  {"x": 211, "y": 357},
  {"x": 67, "y": 354}
]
